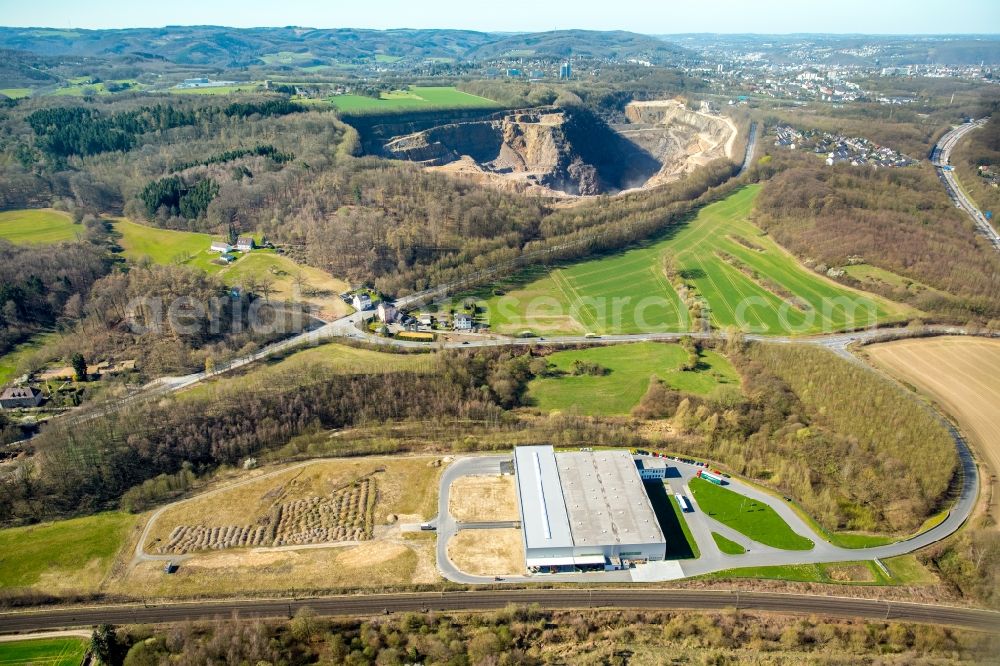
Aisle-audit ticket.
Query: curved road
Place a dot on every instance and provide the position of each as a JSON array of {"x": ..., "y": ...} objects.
[
  {"x": 604, "y": 597},
  {"x": 701, "y": 525},
  {"x": 711, "y": 559},
  {"x": 940, "y": 157}
]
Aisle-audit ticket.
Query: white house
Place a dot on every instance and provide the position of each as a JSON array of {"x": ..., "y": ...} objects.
[
  {"x": 386, "y": 312},
  {"x": 361, "y": 302},
  {"x": 221, "y": 247},
  {"x": 245, "y": 243},
  {"x": 463, "y": 322}
]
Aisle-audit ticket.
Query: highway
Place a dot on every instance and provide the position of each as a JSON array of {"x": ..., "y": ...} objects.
[
  {"x": 480, "y": 600},
  {"x": 941, "y": 157}
]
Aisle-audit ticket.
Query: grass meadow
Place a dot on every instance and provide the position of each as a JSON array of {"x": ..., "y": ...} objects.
[
  {"x": 903, "y": 570},
  {"x": 10, "y": 361},
  {"x": 217, "y": 90},
  {"x": 37, "y": 226},
  {"x": 289, "y": 280},
  {"x": 749, "y": 517},
  {"x": 630, "y": 369},
  {"x": 165, "y": 246},
  {"x": 62, "y": 556},
  {"x": 67, "y": 651},
  {"x": 414, "y": 98},
  {"x": 329, "y": 358},
  {"x": 768, "y": 292}
]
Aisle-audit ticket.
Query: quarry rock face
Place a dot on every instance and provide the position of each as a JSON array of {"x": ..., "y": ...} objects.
[
  {"x": 680, "y": 139},
  {"x": 566, "y": 151}
]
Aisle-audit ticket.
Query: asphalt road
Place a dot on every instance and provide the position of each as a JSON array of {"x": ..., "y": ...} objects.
[
  {"x": 941, "y": 157},
  {"x": 702, "y": 525},
  {"x": 477, "y": 600}
]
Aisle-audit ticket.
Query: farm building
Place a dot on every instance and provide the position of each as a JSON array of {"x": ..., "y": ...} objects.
[
  {"x": 20, "y": 396},
  {"x": 221, "y": 247},
  {"x": 582, "y": 509},
  {"x": 245, "y": 243},
  {"x": 651, "y": 468}
]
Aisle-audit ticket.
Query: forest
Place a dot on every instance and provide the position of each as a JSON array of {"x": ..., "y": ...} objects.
[
  {"x": 43, "y": 286},
  {"x": 268, "y": 166},
  {"x": 85, "y": 467},
  {"x": 852, "y": 449},
  {"x": 371, "y": 221},
  {"x": 529, "y": 636},
  {"x": 899, "y": 220},
  {"x": 794, "y": 429},
  {"x": 66, "y": 131}
]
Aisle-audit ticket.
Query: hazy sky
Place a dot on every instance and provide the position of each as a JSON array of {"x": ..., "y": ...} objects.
[{"x": 649, "y": 16}]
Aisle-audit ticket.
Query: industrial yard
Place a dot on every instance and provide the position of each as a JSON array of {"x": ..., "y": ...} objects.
[{"x": 616, "y": 515}]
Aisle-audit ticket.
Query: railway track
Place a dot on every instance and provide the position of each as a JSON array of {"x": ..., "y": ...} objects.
[{"x": 482, "y": 600}]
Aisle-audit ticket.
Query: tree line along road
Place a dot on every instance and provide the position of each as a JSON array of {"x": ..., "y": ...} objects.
[{"x": 482, "y": 600}]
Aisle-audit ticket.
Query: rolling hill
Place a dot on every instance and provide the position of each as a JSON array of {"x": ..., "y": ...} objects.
[{"x": 232, "y": 47}]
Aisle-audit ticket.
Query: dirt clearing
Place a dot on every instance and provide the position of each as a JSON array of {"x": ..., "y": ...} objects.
[
  {"x": 488, "y": 552},
  {"x": 962, "y": 374},
  {"x": 370, "y": 565},
  {"x": 476, "y": 499}
]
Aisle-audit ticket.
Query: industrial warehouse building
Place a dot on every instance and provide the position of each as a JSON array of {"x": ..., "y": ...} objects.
[{"x": 583, "y": 509}]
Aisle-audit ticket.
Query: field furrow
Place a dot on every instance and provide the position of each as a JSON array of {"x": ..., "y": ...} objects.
[{"x": 617, "y": 287}]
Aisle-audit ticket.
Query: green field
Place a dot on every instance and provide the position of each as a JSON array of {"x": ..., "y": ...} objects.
[
  {"x": 217, "y": 90},
  {"x": 79, "y": 87},
  {"x": 287, "y": 57},
  {"x": 288, "y": 280},
  {"x": 44, "y": 652},
  {"x": 10, "y": 361},
  {"x": 62, "y": 556},
  {"x": 165, "y": 246},
  {"x": 903, "y": 570},
  {"x": 330, "y": 357},
  {"x": 747, "y": 516},
  {"x": 15, "y": 93},
  {"x": 628, "y": 291},
  {"x": 631, "y": 367},
  {"x": 727, "y": 546},
  {"x": 37, "y": 226},
  {"x": 413, "y": 98}
]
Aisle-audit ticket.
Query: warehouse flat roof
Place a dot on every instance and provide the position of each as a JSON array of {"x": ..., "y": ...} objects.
[
  {"x": 606, "y": 500},
  {"x": 544, "y": 520},
  {"x": 650, "y": 463},
  {"x": 585, "y": 498}
]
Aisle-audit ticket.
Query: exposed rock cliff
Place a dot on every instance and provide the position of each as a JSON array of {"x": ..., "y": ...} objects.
[
  {"x": 680, "y": 139},
  {"x": 569, "y": 151}
]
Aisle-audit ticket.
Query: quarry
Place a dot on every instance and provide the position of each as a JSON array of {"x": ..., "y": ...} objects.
[{"x": 562, "y": 151}]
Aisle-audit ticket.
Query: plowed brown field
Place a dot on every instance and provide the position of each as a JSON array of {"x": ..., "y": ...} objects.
[{"x": 961, "y": 374}]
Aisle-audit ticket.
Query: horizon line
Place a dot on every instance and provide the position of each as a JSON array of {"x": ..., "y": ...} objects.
[{"x": 796, "y": 33}]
